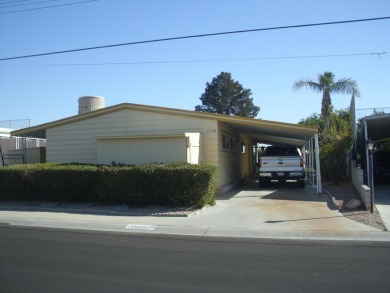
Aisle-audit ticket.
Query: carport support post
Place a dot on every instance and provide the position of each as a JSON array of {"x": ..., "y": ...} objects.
[
  {"x": 318, "y": 167},
  {"x": 310, "y": 157}
]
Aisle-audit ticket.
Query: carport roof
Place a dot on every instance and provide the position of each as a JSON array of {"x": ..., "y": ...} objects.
[
  {"x": 262, "y": 131},
  {"x": 378, "y": 126}
]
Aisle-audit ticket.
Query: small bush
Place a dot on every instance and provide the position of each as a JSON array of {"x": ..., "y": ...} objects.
[
  {"x": 173, "y": 184},
  {"x": 333, "y": 159}
]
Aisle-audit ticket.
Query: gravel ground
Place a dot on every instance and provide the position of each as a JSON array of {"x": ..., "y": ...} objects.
[{"x": 343, "y": 193}]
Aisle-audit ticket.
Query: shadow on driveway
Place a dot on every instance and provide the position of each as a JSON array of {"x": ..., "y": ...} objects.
[{"x": 288, "y": 190}]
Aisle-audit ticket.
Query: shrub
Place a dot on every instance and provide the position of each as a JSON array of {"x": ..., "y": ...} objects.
[
  {"x": 333, "y": 159},
  {"x": 171, "y": 184},
  {"x": 13, "y": 185},
  {"x": 48, "y": 182},
  {"x": 175, "y": 184}
]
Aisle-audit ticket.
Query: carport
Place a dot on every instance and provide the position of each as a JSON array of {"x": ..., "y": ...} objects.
[
  {"x": 375, "y": 128},
  {"x": 279, "y": 133}
]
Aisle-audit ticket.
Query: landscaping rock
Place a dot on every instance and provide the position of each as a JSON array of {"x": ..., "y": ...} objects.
[{"x": 353, "y": 203}]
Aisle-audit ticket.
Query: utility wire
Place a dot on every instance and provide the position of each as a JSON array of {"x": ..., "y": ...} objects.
[
  {"x": 196, "y": 36},
  {"x": 373, "y": 108},
  {"x": 194, "y": 61},
  {"x": 24, "y": 4},
  {"x": 47, "y": 7},
  {"x": 2, "y": 3}
]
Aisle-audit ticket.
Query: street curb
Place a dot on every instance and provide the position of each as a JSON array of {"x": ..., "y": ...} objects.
[{"x": 109, "y": 210}]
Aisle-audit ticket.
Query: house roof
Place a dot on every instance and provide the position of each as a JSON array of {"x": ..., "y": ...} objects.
[
  {"x": 263, "y": 131},
  {"x": 378, "y": 126}
]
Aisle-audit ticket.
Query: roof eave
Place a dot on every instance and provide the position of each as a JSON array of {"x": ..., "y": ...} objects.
[{"x": 40, "y": 130}]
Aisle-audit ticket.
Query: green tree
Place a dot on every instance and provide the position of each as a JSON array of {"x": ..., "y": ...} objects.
[
  {"x": 313, "y": 120},
  {"x": 334, "y": 142},
  {"x": 226, "y": 96},
  {"x": 326, "y": 85}
]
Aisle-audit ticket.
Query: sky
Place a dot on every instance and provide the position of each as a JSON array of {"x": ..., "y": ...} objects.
[{"x": 173, "y": 74}]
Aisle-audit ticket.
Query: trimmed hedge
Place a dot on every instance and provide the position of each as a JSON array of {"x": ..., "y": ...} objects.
[{"x": 174, "y": 184}]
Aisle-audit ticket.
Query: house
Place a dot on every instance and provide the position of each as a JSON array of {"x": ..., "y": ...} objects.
[{"x": 140, "y": 134}]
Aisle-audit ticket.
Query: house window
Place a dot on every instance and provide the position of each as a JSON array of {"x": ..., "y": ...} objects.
[
  {"x": 229, "y": 142},
  {"x": 242, "y": 147},
  {"x": 225, "y": 141}
]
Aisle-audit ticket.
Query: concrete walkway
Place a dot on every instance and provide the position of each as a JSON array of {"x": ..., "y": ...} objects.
[{"x": 286, "y": 212}]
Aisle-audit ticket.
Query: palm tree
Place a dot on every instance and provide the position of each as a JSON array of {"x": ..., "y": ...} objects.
[{"x": 325, "y": 83}]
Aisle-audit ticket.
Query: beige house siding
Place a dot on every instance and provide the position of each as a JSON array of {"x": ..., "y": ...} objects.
[
  {"x": 142, "y": 150},
  {"x": 77, "y": 141},
  {"x": 246, "y": 155},
  {"x": 230, "y": 162}
]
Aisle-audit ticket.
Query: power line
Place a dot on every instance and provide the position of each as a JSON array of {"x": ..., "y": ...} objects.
[
  {"x": 47, "y": 7},
  {"x": 195, "y": 61},
  {"x": 2, "y": 3},
  {"x": 196, "y": 36},
  {"x": 381, "y": 108},
  {"x": 24, "y": 4}
]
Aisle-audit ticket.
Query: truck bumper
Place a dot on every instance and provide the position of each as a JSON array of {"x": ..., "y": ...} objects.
[{"x": 282, "y": 175}]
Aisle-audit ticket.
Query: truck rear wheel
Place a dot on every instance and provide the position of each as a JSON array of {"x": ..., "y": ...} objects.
[{"x": 301, "y": 183}]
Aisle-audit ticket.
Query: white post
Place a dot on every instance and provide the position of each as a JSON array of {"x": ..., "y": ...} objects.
[
  {"x": 318, "y": 167},
  {"x": 312, "y": 159},
  {"x": 24, "y": 151},
  {"x": 308, "y": 161},
  {"x": 311, "y": 165}
]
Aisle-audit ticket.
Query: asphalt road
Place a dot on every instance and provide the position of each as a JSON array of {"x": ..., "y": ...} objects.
[{"x": 49, "y": 260}]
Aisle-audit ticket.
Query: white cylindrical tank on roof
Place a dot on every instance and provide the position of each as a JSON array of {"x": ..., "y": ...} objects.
[{"x": 90, "y": 103}]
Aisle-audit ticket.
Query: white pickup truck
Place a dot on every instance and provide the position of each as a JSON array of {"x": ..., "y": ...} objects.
[{"x": 282, "y": 163}]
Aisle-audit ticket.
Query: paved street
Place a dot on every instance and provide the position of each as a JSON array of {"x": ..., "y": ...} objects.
[{"x": 46, "y": 260}]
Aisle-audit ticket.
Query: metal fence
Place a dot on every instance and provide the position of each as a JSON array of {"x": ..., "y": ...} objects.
[{"x": 15, "y": 124}]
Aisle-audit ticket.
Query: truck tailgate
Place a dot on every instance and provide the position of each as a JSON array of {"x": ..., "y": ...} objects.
[{"x": 268, "y": 163}]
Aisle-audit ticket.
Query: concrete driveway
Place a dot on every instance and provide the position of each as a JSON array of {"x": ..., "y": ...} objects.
[
  {"x": 277, "y": 211},
  {"x": 276, "y": 208},
  {"x": 382, "y": 202}
]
